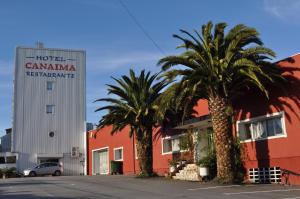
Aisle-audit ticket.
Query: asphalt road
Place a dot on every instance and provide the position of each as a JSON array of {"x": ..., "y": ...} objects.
[{"x": 106, "y": 187}]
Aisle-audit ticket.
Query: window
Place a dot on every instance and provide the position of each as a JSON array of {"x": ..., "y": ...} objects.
[
  {"x": 118, "y": 154},
  {"x": 11, "y": 159},
  {"x": 52, "y": 164},
  {"x": 50, "y": 85},
  {"x": 50, "y": 109},
  {"x": 262, "y": 127},
  {"x": 43, "y": 165},
  {"x": 51, "y": 134},
  {"x": 171, "y": 144},
  {"x": 52, "y": 160}
]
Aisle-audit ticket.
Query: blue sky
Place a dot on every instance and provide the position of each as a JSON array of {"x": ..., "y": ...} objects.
[{"x": 114, "y": 43}]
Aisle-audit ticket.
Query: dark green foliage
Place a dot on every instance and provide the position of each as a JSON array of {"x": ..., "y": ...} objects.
[
  {"x": 176, "y": 105},
  {"x": 8, "y": 172},
  {"x": 210, "y": 161},
  {"x": 186, "y": 141},
  {"x": 219, "y": 66},
  {"x": 173, "y": 162},
  {"x": 222, "y": 64},
  {"x": 116, "y": 167},
  {"x": 134, "y": 105},
  {"x": 239, "y": 168}
]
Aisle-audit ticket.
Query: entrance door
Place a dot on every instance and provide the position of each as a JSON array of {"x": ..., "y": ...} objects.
[
  {"x": 203, "y": 143},
  {"x": 96, "y": 163},
  {"x": 103, "y": 157}
]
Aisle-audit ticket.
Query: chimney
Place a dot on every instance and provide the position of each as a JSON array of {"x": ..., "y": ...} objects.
[{"x": 39, "y": 44}]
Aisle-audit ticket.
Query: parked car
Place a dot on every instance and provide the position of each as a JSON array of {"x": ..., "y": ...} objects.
[{"x": 46, "y": 168}]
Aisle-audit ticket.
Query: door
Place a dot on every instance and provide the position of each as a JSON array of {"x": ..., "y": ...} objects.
[
  {"x": 103, "y": 157},
  {"x": 201, "y": 146},
  {"x": 96, "y": 163}
]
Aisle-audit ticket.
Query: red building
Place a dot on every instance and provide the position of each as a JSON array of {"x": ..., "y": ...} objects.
[{"x": 269, "y": 130}]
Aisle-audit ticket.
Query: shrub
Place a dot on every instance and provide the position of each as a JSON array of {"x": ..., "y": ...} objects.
[
  {"x": 210, "y": 161},
  {"x": 8, "y": 172},
  {"x": 239, "y": 169},
  {"x": 173, "y": 162}
]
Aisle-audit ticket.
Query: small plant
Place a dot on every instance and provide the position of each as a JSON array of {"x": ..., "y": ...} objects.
[
  {"x": 173, "y": 163},
  {"x": 209, "y": 161},
  {"x": 8, "y": 172},
  {"x": 186, "y": 141},
  {"x": 239, "y": 168}
]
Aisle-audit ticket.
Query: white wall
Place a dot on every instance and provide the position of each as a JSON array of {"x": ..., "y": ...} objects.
[{"x": 31, "y": 123}]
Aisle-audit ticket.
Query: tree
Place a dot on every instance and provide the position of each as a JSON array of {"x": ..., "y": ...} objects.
[
  {"x": 134, "y": 105},
  {"x": 176, "y": 105},
  {"x": 218, "y": 67}
]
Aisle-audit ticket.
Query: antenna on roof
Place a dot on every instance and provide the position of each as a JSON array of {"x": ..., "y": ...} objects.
[{"x": 39, "y": 44}]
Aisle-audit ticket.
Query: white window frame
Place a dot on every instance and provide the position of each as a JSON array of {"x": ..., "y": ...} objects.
[
  {"x": 171, "y": 137},
  {"x": 135, "y": 151},
  {"x": 52, "y": 108},
  {"x": 122, "y": 153},
  {"x": 101, "y": 149},
  {"x": 264, "y": 117},
  {"x": 52, "y": 87}
]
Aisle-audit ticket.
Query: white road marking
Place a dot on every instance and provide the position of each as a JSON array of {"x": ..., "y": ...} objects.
[
  {"x": 266, "y": 191},
  {"x": 215, "y": 187},
  {"x": 293, "y": 198}
]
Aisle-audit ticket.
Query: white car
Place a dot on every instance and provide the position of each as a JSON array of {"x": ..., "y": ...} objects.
[{"x": 46, "y": 168}]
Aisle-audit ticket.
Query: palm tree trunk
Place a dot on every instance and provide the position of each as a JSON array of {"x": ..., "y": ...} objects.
[
  {"x": 144, "y": 150},
  {"x": 222, "y": 127}
]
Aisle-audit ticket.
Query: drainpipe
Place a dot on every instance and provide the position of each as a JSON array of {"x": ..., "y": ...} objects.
[{"x": 133, "y": 150}]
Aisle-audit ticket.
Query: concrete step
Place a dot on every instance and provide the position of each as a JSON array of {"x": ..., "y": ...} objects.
[{"x": 190, "y": 172}]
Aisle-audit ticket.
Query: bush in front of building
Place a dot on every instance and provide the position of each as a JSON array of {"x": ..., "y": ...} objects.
[
  {"x": 209, "y": 161},
  {"x": 8, "y": 172}
]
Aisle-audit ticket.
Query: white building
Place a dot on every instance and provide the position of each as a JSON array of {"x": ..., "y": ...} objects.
[{"x": 49, "y": 108}]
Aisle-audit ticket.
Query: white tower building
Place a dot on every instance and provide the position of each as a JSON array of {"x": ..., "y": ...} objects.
[{"x": 49, "y": 107}]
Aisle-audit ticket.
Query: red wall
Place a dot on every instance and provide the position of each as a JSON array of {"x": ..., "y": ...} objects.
[
  {"x": 103, "y": 138},
  {"x": 280, "y": 152}
]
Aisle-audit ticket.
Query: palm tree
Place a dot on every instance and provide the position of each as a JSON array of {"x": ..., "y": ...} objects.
[
  {"x": 176, "y": 105},
  {"x": 134, "y": 105},
  {"x": 218, "y": 67}
]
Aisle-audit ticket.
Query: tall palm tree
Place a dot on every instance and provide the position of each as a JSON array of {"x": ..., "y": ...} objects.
[
  {"x": 134, "y": 105},
  {"x": 220, "y": 66}
]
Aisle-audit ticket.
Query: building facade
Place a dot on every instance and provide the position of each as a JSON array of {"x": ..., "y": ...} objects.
[
  {"x": 268, "y": 129},
  {"x": 7, "y": 158},
  {"x": 49, "y": 108}
]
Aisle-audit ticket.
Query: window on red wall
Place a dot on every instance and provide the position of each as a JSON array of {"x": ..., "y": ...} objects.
[
  {"x": 263, "y": 127},
  {"x": 118, "y": 154},
  {"x": 167, "y": 145},
  {"x": 171, "y": 145}
]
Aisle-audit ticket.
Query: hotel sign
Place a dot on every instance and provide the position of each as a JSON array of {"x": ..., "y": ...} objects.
[{"x": 50, "y": 66}]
